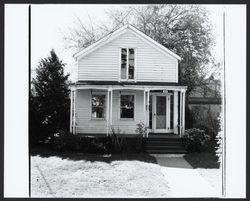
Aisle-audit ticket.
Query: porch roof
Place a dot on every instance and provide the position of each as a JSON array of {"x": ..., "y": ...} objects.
[
  {"x": 115, "y": 85},
  {"x": 126, "y": 83}
]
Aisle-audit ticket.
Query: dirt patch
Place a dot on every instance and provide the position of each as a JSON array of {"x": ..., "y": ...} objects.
[{"x": 61, "y": 177}]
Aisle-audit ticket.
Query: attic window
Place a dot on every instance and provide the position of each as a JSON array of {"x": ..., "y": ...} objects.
[{"x": 127, "y": 63}]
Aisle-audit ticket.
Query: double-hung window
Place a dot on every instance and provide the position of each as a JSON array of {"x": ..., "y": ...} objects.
[
  {"x": 127, "y": 106},
  {"x": 127, "y": 64},
  {"x": 98, "y": 106}
]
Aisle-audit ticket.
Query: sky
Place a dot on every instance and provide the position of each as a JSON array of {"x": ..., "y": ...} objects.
[{"x": 50, "y": 23}]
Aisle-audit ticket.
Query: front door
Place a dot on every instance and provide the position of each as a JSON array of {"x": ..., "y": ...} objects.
[{"x": 161, "y": 113}]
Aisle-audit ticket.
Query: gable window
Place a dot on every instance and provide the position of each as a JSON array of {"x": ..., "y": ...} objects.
[
  {"x": 127, "y": 64},
  {"x": 127, "y": 106},
  {"x": 98, "y": 106}
]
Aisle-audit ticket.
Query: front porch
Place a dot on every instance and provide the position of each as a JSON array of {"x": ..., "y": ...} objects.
[{"x": 160, "y": 107}]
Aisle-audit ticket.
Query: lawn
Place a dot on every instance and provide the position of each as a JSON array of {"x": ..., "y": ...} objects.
[
  {"x": 202, "y": 160},
  {"x": 97, "y": 176}
]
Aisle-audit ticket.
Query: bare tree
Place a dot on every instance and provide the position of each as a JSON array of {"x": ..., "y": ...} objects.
[{"x": 184, "y": 29}]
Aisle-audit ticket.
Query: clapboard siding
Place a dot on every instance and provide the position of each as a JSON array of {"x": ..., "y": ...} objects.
[
  {"x": 127, "y": 126},
  {"x": 86, "y": 125},
  {"x": 151, "y": 64}
]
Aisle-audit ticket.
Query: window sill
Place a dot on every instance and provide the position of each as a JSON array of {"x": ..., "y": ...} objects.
[
  {"x": 126, "y": 119},
  {"x": 98, "y": 119},
  {"x": 125, "y": 80}
]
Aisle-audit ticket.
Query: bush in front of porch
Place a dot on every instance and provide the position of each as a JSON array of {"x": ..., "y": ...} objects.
[
  {"x": 195, "y": 140},
  {"x": 202, "y": 149},
  {"x": 112, "y": 144}
]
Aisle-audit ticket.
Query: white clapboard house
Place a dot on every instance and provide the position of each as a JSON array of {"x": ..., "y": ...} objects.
[{"x": 123, "y": 79}]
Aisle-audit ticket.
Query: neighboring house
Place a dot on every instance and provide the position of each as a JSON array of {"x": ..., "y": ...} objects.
[{"x": 123, "y": 79}]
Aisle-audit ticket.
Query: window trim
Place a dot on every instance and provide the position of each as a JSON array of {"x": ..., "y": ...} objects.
[
  {"x": 119, "y": 108},
  {"x": 105, "y": 105},
  {"x": 127, "y": 66}
]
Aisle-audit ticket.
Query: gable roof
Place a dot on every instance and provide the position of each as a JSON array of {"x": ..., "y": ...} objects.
[{"x": 111, "y": 36}]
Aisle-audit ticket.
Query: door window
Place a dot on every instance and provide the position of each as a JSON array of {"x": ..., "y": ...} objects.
[{"x": 160, "y": 112}]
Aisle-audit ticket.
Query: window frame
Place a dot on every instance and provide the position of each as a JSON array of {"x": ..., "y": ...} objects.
[
  {"x": 119, "y": 109},
  {"x": 104, "y": 106},
  {"x": 127, "y": 65}
]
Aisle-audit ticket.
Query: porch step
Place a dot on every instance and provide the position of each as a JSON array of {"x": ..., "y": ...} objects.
[
  {"x": 164, "y": 144},
  {"x": 164, "y": 139},
  {"x": 167, "y": 151},
  {"x": 163, "y": 135},
  {"x": 169, "y": 147}
]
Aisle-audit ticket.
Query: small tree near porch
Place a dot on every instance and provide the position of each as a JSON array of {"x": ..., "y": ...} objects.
[{"x": 49, "y": 98}]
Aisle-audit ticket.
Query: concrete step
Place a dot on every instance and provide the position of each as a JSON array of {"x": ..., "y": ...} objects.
[
  {"x": 163, "y": 140},
  {"x": 166, "y": 151},
  {"x": 163, "y": 143},
  {"x": 164, "y": 147}
]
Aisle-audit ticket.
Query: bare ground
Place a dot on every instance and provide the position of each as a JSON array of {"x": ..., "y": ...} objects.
[{"x": 63, "y": 177}]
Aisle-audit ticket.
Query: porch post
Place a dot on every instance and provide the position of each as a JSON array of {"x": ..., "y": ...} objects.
[
  {"x": 144, "y": 106},
  {"x": 175, "y": 112},
  {"x": 107, "y": 113},
  {"x": 74, "y": 121},
  {"x": 147, "y": 111},
  {"x": 183, "y": 113},
  {"x": 111, "y": 108},
  {"x": 71, "y": 107},
  {"x": 180, "y": 117}
]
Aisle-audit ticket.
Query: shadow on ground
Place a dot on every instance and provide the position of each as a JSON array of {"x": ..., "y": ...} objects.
[
  {"x": 46, "y": 152},
  {"x": 202, "y": 160}
]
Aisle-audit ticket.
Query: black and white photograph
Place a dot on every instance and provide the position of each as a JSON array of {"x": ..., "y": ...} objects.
[{"x": 126, "y": 101}]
